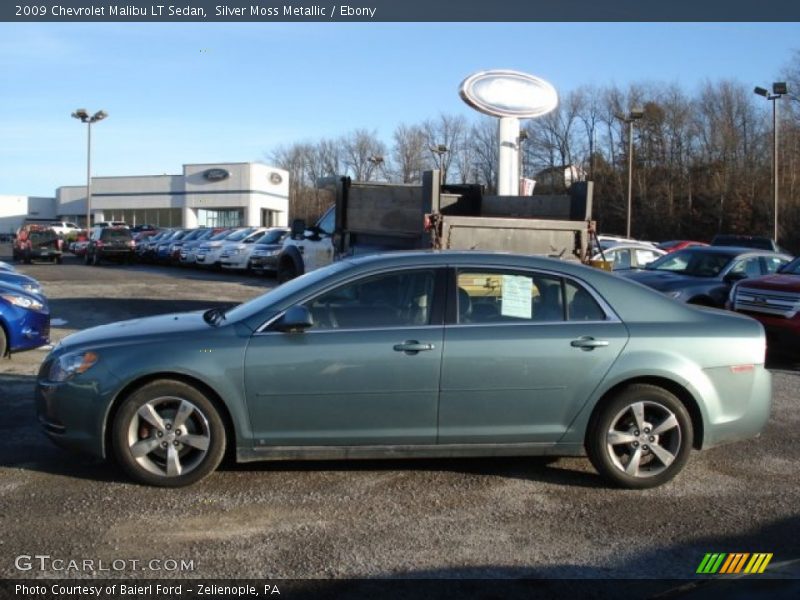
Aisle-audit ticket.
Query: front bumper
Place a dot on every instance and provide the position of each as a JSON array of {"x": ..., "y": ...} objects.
[
  {"x": 27, "y": 329},
  {"x": 73, "y": 413},
  {"x": 264, "y": 263}
]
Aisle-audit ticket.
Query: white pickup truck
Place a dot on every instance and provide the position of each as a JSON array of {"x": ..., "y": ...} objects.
[{"x": 63, "y": 228}]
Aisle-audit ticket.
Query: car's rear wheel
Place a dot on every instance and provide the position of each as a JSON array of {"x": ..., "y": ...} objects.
[
  {"x": 3, "y": 342},
  {"x": 641, "y": 438},
  {"x": 168, "y": 433}
]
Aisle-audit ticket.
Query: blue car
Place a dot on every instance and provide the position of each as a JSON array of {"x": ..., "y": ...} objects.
[
  {"x": 28, "y": 284},
  {"x": 24, "y": 319}
]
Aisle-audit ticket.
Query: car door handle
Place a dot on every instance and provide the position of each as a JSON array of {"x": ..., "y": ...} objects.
[
  {"x": 588, "y": 343},
  {"x": 412, "y": 347}
]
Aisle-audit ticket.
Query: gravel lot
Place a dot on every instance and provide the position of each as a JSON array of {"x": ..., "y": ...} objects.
[{"x": 424, "y": 518}]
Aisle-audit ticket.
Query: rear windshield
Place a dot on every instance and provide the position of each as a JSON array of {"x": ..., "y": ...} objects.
[{"x": 116, "y": 234}]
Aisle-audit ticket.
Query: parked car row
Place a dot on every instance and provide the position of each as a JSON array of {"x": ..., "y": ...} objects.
[{"x": 238, "y": 248}]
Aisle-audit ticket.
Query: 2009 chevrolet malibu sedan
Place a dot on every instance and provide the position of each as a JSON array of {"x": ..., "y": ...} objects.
[{"x": 410, "y": 355}]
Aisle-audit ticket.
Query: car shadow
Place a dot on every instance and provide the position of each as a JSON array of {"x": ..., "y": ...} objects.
[{"x": 561, "y": 472}]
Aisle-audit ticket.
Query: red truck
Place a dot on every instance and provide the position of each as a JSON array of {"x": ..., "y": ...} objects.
[
  {"x": 37, "y": 242},
  {"x": 775, "y": 301}
]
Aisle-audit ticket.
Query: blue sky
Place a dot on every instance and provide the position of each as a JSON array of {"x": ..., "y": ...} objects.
[{"x": 218, "y": 92}]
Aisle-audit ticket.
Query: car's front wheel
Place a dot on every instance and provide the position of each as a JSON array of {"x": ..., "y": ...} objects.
[
  {"x": 641, "y": 438},
  {"x": 168, "y": 433}
]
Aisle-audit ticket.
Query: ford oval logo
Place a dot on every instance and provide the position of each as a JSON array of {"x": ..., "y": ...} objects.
[
  {"x": 216, "y": 174},
  {"x": 504, "y": 93}
]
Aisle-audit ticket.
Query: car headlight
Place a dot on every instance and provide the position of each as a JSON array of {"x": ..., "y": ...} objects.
[
  {"x": 32, "y": 288},
  {"x": 23, "y": 302},
  {"x": 69, "y": 365}
]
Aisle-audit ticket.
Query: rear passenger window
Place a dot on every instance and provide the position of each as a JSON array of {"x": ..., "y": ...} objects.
[
  {"x": 581, "y": 304},
  {"x": 514, "y": 297},
  {"x": 507, "y": 297}
]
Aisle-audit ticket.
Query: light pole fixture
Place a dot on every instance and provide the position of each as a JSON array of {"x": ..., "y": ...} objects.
[
  {"x": 635, "y": 114},
  {"x": 441, "y": 150},
  {"x": 376, "y": 161},
  {"x": 779, "y": 89},
  {"x": 83, "y": 115}
]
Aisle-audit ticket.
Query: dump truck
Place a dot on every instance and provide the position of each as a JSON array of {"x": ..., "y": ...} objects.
[{"x": 369, "y": 217}]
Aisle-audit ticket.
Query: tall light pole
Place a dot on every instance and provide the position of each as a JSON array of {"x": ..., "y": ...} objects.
[
  {"x": 84, "y": 117},
  {"x": 523, "y": 137},
  {"x": 441, "y": 150},
  {"x": 635, "y": 114},
  {"x": 778, "y": 89}
]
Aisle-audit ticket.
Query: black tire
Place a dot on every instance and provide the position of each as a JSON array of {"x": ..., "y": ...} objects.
[
  {"x": 286, "y": 270},
  {"x": 191, "y": 462},
  {"x": 3, "y": 342},
  {"x": 640, "y": 418}
]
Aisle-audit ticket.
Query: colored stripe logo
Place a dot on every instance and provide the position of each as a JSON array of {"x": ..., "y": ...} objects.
[{"x": 734, "y": 563}]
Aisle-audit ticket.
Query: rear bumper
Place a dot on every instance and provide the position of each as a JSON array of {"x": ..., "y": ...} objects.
[{"x": 742, "y": 406}]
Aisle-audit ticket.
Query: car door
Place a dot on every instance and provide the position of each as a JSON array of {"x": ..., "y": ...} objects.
[
  {"x": 367, "y": 372},
  {"x": 521, "y": 356}
]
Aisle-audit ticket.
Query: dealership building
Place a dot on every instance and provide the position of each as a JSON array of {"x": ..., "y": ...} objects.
[{"x": 203, "y": 195}]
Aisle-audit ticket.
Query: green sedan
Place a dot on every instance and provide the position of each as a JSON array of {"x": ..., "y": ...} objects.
[{"x": 428, "y": 354}]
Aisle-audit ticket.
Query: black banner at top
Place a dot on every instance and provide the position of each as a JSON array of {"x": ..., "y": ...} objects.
[{"x": 240, "y": 11}]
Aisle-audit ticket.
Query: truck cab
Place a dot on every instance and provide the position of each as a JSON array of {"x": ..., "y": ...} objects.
[{"x": 307, "y": 248}]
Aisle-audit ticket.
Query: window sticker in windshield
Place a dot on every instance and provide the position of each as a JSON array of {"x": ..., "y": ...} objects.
[{"x": 517, "y": 296}]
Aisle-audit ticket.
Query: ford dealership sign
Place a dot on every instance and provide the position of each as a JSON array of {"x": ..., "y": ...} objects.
[
  {"x": 504, "y": 93},
  {"x": 216, "y": 174}
]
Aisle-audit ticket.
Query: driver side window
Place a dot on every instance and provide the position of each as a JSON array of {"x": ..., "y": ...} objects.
[{"x": 401, "y": 299}]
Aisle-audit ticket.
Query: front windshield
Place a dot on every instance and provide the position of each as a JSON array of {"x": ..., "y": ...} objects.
[
  {"x": 793, "y": 268},
  {"x": 220, "y": 236},
  {"x": 238, "y": 235},
  {"x": 277, "y": 295},
  {"x": 271, "y": 237},
  {"x": 688, "y": 262}
]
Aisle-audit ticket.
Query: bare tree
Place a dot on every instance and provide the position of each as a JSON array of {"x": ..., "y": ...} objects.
[
  {"x": 359, "y": 147},
  {"x": 410, "y": 152},
  {"x": 446, "y": 130}
]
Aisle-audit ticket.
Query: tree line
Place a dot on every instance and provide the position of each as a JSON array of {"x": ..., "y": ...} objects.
[{"x": 702, "y": 160}]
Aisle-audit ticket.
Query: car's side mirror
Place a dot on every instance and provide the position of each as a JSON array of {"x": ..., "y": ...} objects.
[
  {"x": 294, "y": 320},
  {"x": 298, "y": 228}
]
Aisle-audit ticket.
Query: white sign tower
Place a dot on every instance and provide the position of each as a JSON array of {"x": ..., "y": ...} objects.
[{"x": 511, "y": 96}]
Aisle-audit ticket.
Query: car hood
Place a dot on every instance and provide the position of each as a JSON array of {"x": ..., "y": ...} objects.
[
  {"x": 158, "y": 326},
  {"x": 782, "y": 282},
  {"x": 664, "y": 280}
]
